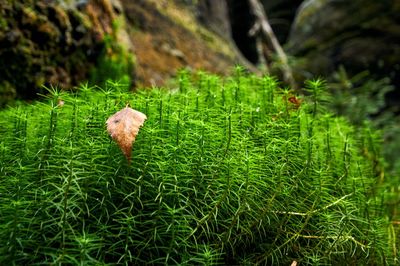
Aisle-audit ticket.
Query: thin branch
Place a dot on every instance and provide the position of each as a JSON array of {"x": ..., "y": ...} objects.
[
  {"x": 265, "y": 28},
  {"x": 314, "y": 211},
  {"x": 344, "y": 238}
]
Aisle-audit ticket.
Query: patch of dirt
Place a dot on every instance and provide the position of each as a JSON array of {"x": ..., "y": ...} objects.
[{"x": 164, "y": 44}]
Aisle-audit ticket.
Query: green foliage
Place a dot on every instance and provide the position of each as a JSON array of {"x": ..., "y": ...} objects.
[
  {"x": 113, "y": 64},
  {"x": 223, "y": 172},
  {"x": 360, "y": 98},
  {"x": 115, "y": 61}
]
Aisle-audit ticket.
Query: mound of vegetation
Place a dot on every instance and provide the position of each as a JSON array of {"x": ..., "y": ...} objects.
[{"x": 233, "y": 171}]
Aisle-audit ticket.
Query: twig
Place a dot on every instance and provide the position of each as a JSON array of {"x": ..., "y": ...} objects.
[
  {"x": 314, "y": 211},
  {"x": 344, "y": 238},
  {"x": 264, "y": 27}
]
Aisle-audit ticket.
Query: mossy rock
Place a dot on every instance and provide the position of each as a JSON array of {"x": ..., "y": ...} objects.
[
  {"x": 234, "y": 171},
  {"x": 59, "y": 43},
  {"x": 359, "y": 35}
]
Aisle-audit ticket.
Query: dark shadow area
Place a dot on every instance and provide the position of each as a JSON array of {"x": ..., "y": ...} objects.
[{"x": 241, "y": 22}]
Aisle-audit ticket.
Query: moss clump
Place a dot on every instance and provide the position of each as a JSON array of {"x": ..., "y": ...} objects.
[
  {"x": 115, "y": 62},
  {"x": 233, "y": 171}
]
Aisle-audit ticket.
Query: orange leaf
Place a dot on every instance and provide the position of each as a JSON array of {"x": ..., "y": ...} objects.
[{"x": 123, "y": 127}]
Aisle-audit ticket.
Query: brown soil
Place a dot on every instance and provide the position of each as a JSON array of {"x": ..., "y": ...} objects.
[{"x": 163, "y": 44}]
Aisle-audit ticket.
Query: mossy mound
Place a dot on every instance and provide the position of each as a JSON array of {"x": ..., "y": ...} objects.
[{"x": 234, "y": 171}]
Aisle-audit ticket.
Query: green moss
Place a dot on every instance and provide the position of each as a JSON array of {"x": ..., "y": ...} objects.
[
  {"x": 223, "y": 172},
  {"x": 115, "y": 62}
]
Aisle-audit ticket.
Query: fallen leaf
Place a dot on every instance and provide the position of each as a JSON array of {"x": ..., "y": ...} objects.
[{"x": 123, "y": 127}]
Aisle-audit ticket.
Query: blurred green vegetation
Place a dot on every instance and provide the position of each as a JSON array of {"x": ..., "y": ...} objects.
[
  {"x": 362, "y": 98},
  {"x": 115, "y": 61}
]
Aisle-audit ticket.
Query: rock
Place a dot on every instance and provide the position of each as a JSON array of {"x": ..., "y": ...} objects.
[
  {"x": 172, "y": 51},
  {"x": 65, "y": 42},
  {"x": 168, "y": 37},
  {"x": 214, "y": 14},
  {"x": 359, "y": 34},
  {"x": 58, "y": 43}
]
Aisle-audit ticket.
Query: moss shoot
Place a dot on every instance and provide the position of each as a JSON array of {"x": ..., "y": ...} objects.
[{"x": 234, "y": 171}]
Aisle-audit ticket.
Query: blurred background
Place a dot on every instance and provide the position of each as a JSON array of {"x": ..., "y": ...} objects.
[{"x": 353, "y": 45}]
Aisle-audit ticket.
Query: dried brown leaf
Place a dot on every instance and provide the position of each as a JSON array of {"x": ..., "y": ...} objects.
[{"x": 123, "y": 127}]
